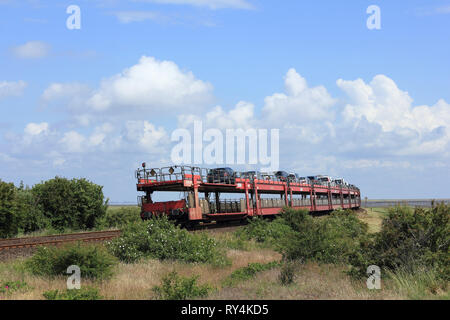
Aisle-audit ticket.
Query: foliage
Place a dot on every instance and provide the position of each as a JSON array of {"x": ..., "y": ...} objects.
[
  {"x": 248, "y": 272},
  {"x": 8, "y": 210},
  {"x": 298, "y": 236},
  {"x": 84, "y": 293},
  {"x": 31, "y": 217},
  {"x": 410, "y": 239},
  {"x": 174, "y": 287},
  {"x": 58, "y": 204},
  {"x": 76, "y": 203},
  {"x": 332, "y": 239},
  {"x": 8, "y": 287},
  {"x": 94, "y": 261},
  {"x": 119, "y": 217},
  {"x": 264, "y": 231},
  {"x": 161, "y": 239}
]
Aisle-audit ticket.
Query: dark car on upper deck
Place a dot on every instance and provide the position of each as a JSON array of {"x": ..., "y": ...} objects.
[{"x": 221, "y": 175}]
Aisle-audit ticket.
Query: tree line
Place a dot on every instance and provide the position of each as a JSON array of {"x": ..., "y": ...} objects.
[{"x": 57, "y": 203}]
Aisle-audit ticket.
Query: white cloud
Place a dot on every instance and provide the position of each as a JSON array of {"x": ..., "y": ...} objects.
[
  {"x": 212, "y": 4},
  {"x": 35, "y": 129},
  {"x": 151, "y": 85},
  {"x": 32, "y": 50},
  {"x": 72, "y": 95},
  {"x": 300, "y": 104},
  {"x": 421, "y": 129},
  {"x": 100, "y": 134},
  {"x": 145, "y": 135},
  {"x": 11, "y": 88},
  {"x": 34, "y": 132},
  {"x": 374, "y": 128},
  {"x": 239, "y": 117},
  {"x": 136, "y": 16},
  {"x": 73, "y": 142}
]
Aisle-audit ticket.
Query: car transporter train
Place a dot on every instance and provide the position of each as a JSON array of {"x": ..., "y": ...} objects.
[{"x": 262, "y": 194}]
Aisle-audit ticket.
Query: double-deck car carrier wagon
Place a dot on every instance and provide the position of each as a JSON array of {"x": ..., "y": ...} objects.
[{"x": 262, "y": 194}]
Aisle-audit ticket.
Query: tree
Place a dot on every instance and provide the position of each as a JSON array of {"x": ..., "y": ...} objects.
[
  {"x": 76, "y": 203},
  {"x": 8, "y": 210}
]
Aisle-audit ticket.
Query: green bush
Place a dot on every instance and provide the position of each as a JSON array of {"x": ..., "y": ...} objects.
[
  {"x": 410, "y": 239},
  {"x": 85, "y": 293},
  {"x": 264, "y": 231},
  {"x": 248, "y": 272},
  {"x": 159, "y": 238},
  {"x": 330, "y": 239},
  {"x": 174, "y": 287},
  {"x": 94, "y": 261},
  {"x": 121, "y": 216},
  {"x": 76, "y": 204}
]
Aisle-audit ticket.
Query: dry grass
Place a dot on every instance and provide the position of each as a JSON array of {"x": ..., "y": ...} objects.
[
  {"x": 133, "y": 281},
  {"x": 313, "y": 281}
]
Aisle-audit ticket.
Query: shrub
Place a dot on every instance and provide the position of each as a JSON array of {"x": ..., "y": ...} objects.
[
  {"x": 119, "y": 217},
  {"x": 264, "y": 231},
  {"x": 410, "y": 239},
  {"x": 85, "y": 293},
  {"x": 332, "y": 239},
  {"x": 287, "y": 273},
  {"x": 75, "y": 204},
  {"x": 94, "y": 261},
  {"x": 248, "y": 272},
  {"x": 159, "y": 238},
  {"x": 174, "y": 287}
]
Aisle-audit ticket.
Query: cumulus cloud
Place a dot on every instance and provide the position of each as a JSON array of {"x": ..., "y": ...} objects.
[
  {"x": 421, "y": 129},
  {"x": 34, "y": 129},
  {"x": 72, "y": 95},
  {"x": 73, "y": 142},
  {"x": 145, "y": 135},
  {"x": 12, "y": 88},
  {"x": 32, "y": 50},
  {"x": 151, "y": 85},
  {"x": 374, "y": 127},
  {"x": 300, "y": 103}
]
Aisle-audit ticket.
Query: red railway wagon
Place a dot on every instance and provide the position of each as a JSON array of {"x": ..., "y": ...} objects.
[{"x": 261, "y": 194}]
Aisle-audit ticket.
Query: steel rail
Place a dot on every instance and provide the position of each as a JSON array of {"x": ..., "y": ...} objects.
[{"x": 25, "y": 242}]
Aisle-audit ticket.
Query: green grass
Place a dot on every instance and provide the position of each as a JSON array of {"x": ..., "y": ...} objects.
[
  {"x": 420, "y": 284},
  {"x": 248, "y": 272}
]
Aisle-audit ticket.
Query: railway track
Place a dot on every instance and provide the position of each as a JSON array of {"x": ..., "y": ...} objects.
[{"x": 28, "y": 242}]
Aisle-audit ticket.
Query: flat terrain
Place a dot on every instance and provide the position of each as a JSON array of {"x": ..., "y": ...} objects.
[{"x": 313, "y": 281}]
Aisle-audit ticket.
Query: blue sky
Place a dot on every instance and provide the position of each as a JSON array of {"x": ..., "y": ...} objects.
[{"x": 375, "y": 107}]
